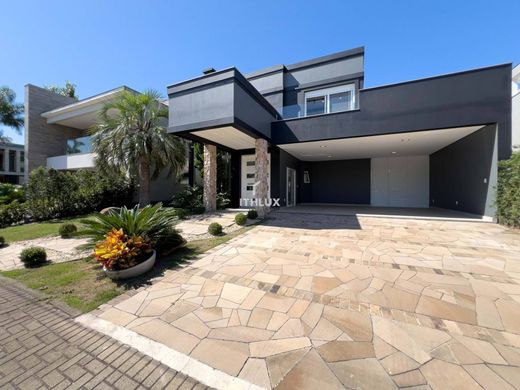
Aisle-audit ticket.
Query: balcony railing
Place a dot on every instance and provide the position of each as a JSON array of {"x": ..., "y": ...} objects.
[
  {"x": 317, "y": 106},
  {"x": 79, "y": 145}
]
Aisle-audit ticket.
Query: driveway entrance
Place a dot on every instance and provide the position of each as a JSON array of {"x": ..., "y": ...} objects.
[{"x": 312, "y": 301}]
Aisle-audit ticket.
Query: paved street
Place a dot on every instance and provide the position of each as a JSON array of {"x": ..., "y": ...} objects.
[{"x": 42, "y": 347}]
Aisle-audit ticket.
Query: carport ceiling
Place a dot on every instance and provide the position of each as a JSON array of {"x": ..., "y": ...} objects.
[
  {"x": 227, "y": 136},
  {"x": 388, "y": 145}
]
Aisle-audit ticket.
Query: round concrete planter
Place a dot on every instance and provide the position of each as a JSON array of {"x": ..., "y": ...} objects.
[{"x": 139, "y": 269}]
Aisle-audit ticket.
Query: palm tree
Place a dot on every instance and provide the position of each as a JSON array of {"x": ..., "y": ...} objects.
[
  {"x": 131, "y": 138},
  {"x": 10, "y": 111}
]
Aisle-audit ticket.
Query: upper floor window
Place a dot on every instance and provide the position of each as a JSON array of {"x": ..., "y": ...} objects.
[
  {"x": 12, "y": 161},
  {"x": 329, "y": 100}
]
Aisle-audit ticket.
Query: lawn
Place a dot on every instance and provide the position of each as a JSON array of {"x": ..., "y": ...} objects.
[
  {"x": 38, "y": 229},
  {"x": 83, "y": 285}
]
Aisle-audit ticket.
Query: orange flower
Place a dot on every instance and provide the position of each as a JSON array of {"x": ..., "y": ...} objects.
[{"x": 118, "y": 251}]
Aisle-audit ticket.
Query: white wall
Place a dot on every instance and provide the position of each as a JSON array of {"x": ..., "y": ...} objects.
[
  {"x": 400, "y": 181},
  {"x": 71, "y": 161},
  {"x": 515, "y": 110}
]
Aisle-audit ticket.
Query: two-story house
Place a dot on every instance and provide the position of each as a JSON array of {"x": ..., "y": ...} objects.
[
  {"x": 57, "y": 135},
  {"x": 311, "y": 133}
]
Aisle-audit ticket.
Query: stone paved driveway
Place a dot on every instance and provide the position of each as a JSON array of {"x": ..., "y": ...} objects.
[
  {"x": 323, "y": 302},
  {"x": 41, "y": 347}
]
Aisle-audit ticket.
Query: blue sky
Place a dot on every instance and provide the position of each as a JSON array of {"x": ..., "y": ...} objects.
[{"x": 100, "y": 44}]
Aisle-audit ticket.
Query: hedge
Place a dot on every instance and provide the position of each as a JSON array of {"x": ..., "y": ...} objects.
[
  {"x": 56, "y": 194},
  {"x": 508, "y": 191}
]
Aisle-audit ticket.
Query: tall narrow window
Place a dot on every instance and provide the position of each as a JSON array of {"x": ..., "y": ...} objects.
[
  {"x": 329, "y": 100},
  {"x": 22, "y": 161},
  {"x": 12, "y": 161},
  {"x": 2, "y": 159}
]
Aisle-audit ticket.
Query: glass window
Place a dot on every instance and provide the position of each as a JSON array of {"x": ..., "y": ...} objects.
[
  {"x": 250, "y": 163},
  {"x": 340, "y": 101},
  {"x": 334, "y": 99},
  {"x": 315, "y": 105},
  {"x": 2, "y": 154},
  {"x": 12, "y": 161},
  {"x": 22, "y": 161},
  {"x": 250, "y": 176},
  {"x": 79, "y": 145}
]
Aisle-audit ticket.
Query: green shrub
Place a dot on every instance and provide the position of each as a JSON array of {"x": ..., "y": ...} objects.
[
  {"x": 11, "y": 192},
  {"x": 191, "y": 198},
  {"x": 240, "y": 219},
  {"x": 67, "y": 230},
  {"x": 168, "y": 241},
  {"x": 182, "y": 213},
  {"x": 56, "y": 194},
  {"x": 508, "y": 191},
  {"x": 12, "y": 213},
  {"x": 151, "y": 222},
  {"x": 252, "y": 214},
  {"x": 215, "y": 229},
  {"x": 33, "y": 256},
  {"x": 2, "y": 241}
]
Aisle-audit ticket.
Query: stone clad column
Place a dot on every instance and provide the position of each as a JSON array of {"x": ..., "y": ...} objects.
[
  {"x": 210, "y": 177},
  {"x": 262, "y": 177}
]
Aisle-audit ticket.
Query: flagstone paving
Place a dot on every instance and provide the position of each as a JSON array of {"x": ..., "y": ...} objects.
[
  {"x": 321, "y": 301},
  {"x": 59, "y": 250}
]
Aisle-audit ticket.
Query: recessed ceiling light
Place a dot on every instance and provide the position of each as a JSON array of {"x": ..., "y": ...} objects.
[
  {"x": 323, "y": 146},
  {"x": 394, "y": 152},
  {"x": 329, "y": 156}
]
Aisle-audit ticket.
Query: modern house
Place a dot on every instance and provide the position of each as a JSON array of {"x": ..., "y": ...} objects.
[
  {"x": 12, "y": 163},
  {"x": 56, "y": 134},
  {"x": 311, "y": 133}
]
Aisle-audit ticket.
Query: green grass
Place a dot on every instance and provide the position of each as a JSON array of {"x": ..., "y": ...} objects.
[
  {"x": 83, "y": 285},
  {"x": 37, "y": 229}
]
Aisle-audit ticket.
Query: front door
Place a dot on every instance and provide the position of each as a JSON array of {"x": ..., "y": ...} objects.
[
  {"x": 291, "y": 187},
  {"x": 248, "y": 178}
]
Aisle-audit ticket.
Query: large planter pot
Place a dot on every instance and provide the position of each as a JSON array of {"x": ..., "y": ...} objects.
[{"x": 139, "y": 269}]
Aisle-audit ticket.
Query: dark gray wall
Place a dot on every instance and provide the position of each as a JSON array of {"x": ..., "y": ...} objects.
[
  {"x": 280, "y": 161},
  {"x": 469, "y": 98},
  {"x": 41, "y": 139},
  {"x": 457, "y": 173},
  {"x": 222, "y": 98},
  {"x": 344, "y": 181}
]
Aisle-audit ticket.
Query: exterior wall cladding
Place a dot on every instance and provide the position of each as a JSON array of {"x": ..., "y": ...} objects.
[
  {"x": 475, "y": 97},
  {"x": 44, "y": 140}
]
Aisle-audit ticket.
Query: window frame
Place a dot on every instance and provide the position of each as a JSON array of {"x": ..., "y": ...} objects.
[{"x": 326, "y": 92}]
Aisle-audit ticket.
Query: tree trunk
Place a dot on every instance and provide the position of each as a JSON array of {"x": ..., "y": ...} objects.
[{"x": 144, "y": 182}]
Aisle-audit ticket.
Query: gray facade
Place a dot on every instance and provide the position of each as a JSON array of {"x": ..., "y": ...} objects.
[{"x": 458, "y": 125}]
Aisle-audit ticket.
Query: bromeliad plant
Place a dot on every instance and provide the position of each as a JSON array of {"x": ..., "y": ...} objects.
[
  {"x": 118, "y": 251},
  {"x": 123, "y": 237}
]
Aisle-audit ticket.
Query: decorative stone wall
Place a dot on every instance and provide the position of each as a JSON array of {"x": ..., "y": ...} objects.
[
  {"x": 262, "y": 176},
  {"x": 210, "y": 177}
]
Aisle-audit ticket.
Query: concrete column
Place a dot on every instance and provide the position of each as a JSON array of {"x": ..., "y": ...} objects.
[
  {"x": 210, "y": 177},
  {"x": 262, "y": 176}
]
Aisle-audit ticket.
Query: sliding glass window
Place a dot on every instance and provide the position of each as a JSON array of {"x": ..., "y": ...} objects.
[{"x": 329, "y": 100}]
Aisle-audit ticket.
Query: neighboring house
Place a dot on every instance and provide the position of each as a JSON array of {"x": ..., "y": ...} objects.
[
  {"x": 516, "y": 107},
  {"x": 312, "y": 133},
  {"x": 56, "y": 134},
  {"x": 12, "y": 163}
]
